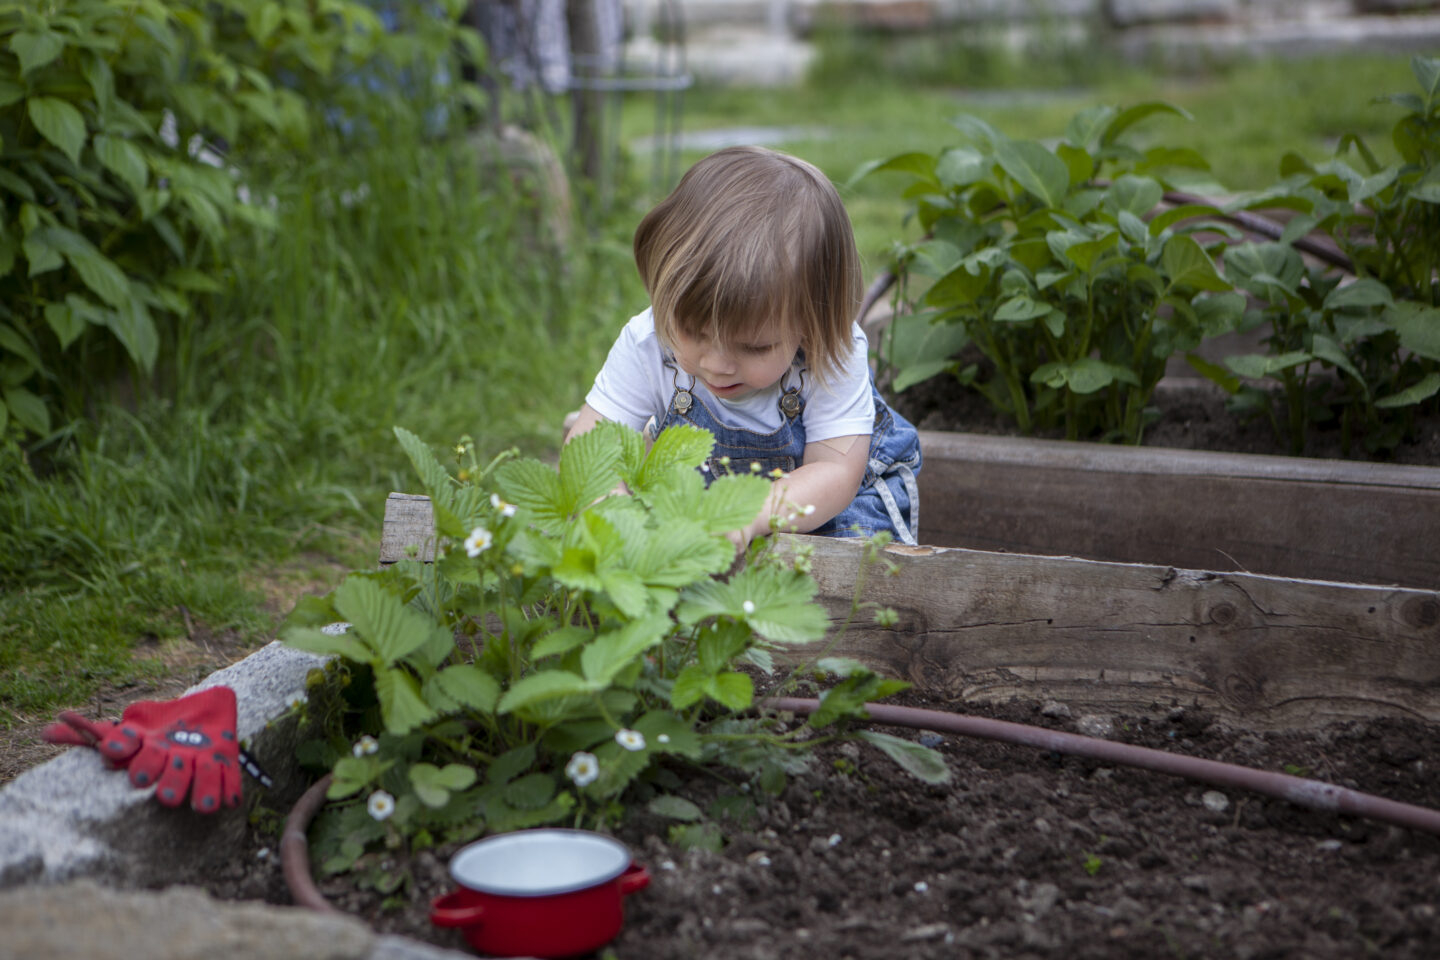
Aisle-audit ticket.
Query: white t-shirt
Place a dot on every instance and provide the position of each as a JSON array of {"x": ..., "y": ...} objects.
[{"x": 635, "y": 385}]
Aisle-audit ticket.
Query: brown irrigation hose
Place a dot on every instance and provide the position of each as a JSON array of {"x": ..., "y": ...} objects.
[
  {"x": 1314, "y": 794},
  {"x": 295, "y": 849}
]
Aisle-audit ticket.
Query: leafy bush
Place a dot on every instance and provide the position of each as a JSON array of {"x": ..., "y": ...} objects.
[
  {"x": 1366, "y": 353},
  {"x": 123, "y": 130},
  {"x": 594, "y": 642},
  {"x": 1058, "y": 266}
]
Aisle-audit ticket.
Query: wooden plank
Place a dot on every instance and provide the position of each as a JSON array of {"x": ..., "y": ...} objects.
[
  {"x": 1294, "y": 517},
  {"x": 976, "y": 626},
  {"x": 1267, "y": 652},
  {"x": 408, "y": 530}
]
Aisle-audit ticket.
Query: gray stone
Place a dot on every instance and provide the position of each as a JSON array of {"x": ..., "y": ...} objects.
[
  {"x": 86, "y": 921},
  {"x": 73, "y": 817}
]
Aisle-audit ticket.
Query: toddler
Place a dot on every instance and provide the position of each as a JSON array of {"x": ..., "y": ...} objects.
[{"x": 751, "y": 334}]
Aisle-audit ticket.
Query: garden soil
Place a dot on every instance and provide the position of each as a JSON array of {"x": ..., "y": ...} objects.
[{"x": 1023, "y": 854}]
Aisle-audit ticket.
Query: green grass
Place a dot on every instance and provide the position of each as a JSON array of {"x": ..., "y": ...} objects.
[
  {"x": 432, "y": 302},
  {"x": 408, "y": 284}
]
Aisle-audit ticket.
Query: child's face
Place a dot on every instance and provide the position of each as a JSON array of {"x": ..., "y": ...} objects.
[{"x": 734, "y": 371}]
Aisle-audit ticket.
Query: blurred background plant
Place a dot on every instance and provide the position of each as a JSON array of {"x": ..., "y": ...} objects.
[{"x": 241, "y": 240}]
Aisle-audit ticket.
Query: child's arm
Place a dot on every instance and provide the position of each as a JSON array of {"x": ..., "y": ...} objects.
[
  {"x": 828, "y": 480},
  {"x": 583, "y": 423}
]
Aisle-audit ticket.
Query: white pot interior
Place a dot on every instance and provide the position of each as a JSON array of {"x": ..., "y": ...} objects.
[{"x": 537, "y": 863}]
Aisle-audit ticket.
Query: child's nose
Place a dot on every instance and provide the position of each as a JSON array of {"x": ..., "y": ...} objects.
[{"x": 717, "y": 360}]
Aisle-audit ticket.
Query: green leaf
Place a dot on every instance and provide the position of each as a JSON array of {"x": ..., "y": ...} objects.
[
  {"x": 1085, "y": 375},
  {"x": 11, "y": 340},
  {"x": 1427, "y": 74},
  {"x": 1423, "y": 390},
  {"x": 388, "y": 627},
  {"x": 312, "y": 640},
  {"x": 589, "y": 467},
  {"x": 132, "y": 324},
  {"x": 124, "y": 159},
  {"x": 1036, "y": 169},
  {"x": 1257, "y": 366},
  {"x": 689, "y": 687},
  {"x": 730, "y": 502},
  {"x": 59, "y": 122},
  {"x": 538, "y": 687},
  {"x": 918, "y": 761},
  {"x": 611, "y": 652},
  {"x": 1214, "y": 373},
  {"x": 463, "y": 685},
  {"x": 511, "y": 764},
  {"x": 1138, "y": 195},
  {"x": 960, "y": 167},
  {"x": 102, "y": 276},
  {"x": 667, "y": 733},
  {"x": 401, "y": 705},
  {"x": 1331, "y": 352},
  {"x": 1021, "y": 308},
  {"x": 10, "y": 92},
  {"x": 27, "y": 409},
  {"x": 434, "y": 785},
  {"x": 1188, "y": 265},
  {"x": 919, "y": 165},
  {"x": 562, "y": 640},
  {"x": 65, "y": 322},
  {"x": 533, "y": 487},
  {"x": 1418, "y": 327},
  {"x": 1133, "y": 115},
  {"x": 674, "y": 808},
  {"x": 1362, "y": 294},
  {"x": 36, "y": 48},
  {"x": 530, "y": 792},
  {"x": 1087, "y": 127},
  {"x": 733, "y": 690},
  {"x": 782, "y": 607},
  {"x": 917, "y": 338}
]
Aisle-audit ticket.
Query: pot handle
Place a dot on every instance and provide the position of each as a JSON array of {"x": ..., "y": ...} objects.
[
  {"x": 635, "y": 878},
  {"x": 445, "y": 911}
]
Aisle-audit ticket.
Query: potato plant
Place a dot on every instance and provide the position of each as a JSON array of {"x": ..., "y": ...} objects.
[{"x": 1061, "y": 267}]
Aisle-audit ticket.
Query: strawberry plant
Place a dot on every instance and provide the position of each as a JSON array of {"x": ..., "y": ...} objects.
[
  {"x": 563, "y": 647},
  {"x": 1060, "y": 267}
]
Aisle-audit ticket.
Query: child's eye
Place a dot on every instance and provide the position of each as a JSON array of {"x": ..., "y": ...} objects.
[{"x": 758, "y": 347}]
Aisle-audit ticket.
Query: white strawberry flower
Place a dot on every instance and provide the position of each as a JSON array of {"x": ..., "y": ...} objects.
[
  {"x": 506, "y": 509},
  {"x": 748, "y": 606},
  {"x": 380, "y": 805},
  {"x": 365, "y": 746},
  {"x": 631, "y": 740},
  {"x": 478, "y": 542},
  {"x": 583, "y": 768}
]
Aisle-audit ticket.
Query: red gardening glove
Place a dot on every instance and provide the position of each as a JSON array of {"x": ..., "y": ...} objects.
[{"x": 169, "y": 744}]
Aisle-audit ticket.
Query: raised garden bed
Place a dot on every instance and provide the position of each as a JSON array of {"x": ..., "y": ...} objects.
[{"x": 1033, "y": 852}]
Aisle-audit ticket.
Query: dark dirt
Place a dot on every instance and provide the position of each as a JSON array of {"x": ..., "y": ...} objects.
[
  {"x": 1024, "y": 854},
  {"x": 1191, "y": 416}
]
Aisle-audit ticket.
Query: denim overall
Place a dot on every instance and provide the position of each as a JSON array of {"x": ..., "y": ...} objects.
[{"x": 888, "y": 498}]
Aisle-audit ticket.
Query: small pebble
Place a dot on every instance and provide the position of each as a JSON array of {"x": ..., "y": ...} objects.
[
  {"x": 1056, "y": 709},
  {"x": 1215, "y": 801},
  {"x": 921, "y": 886},
  {"x": 1328, "y": 846},
  {"x": 834, "y": 840}
]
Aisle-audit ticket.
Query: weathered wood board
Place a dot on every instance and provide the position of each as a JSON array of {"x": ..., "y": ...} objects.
[
  {"x": 978, "y": 626},
  {"x": 1286, "y": 516},
  {"x": 1268, "y": 652}
]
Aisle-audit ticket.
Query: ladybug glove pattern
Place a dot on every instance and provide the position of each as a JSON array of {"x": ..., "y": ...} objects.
[{"x": 177, "y": 746}]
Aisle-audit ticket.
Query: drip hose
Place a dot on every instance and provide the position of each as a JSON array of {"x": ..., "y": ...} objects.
[
  {"x": 1313, "y": 794},
  {"x": 295, "y": 849}
]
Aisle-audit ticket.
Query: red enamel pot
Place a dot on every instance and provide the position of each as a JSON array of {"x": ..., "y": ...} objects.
[{"x": 539, "y": 893}]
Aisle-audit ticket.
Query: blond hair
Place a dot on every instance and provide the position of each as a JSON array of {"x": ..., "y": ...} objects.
[{"x": 750, "y": 238}]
